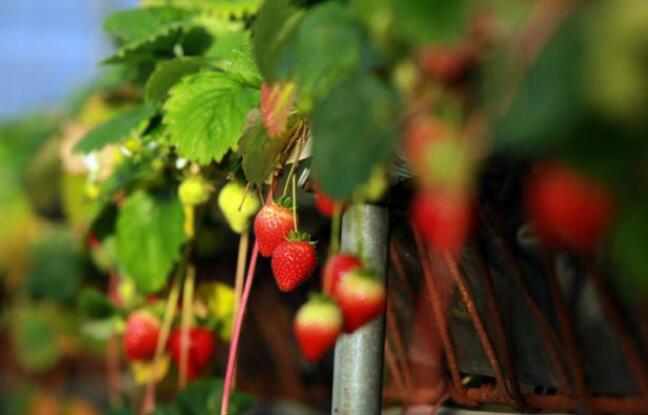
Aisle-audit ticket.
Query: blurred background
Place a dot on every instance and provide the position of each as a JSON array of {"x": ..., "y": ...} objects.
[{"x": 50, "y": 48}]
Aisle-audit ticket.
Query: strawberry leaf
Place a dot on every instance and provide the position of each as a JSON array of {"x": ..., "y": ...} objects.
[
  {"x": 260, "y": 152},
  {"x": 205, "y": 115},
  {"x": 353, "y": 129},
  {"x": 276, "y": 103},
  {"x": 149, "y": 237},
  {"x": 168, "y": 73},
  {"x": 116, "y": 129}
]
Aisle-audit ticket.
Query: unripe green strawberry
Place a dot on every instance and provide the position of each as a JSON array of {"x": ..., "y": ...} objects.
[
  {"x": 141, "y": 335},
  {"x": 201, "y": 348},
  {"x": 193, "y": 191},
  {"x": 272, "y": 226},
  {"x": 317, "y": 326},
  {"x": 236, "y": 214},
  {"x": 335, "y": 269},
  {"x": 361, "y": 297},
  {"x": 293, "y": 261},
  {"x": 568, "y": 208}
]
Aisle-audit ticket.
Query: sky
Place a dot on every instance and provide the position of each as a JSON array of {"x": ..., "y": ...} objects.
[{"x": 48, "y": 48}]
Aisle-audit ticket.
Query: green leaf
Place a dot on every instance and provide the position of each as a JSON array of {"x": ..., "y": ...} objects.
[
  {"x": 327, "y": 48},
  {"x": 221, "y": 8},
  {"x": 149, "y": 238},
  {"x": 431, "y": 21},
  {"x": 55, "y": 267},
  {"x": 139, "y": 24},
  {"x": 95, "y": 305},
  {"x": 548, "y": 106},
  {"x": 241, "y": 66},
  {"x": 185, "y": 35},
  {"x": 629, "y": 247},
  {"x": 260, "y": 152},
  {"x": 168, "y": 73},
  {"x": 206, "y": 113},
  {"x": 353, "y": 129},
  {"x": 34, "y": 337},
  {"x": 273, "y": 30},
  {"x": 204, "y": 397},
  {"x": 123, "y": 125}
]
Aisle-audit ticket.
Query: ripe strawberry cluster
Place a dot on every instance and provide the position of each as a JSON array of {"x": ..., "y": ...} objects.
[
  {"x": 567, "y": 208},
  {"x": 141, "y": 337},
  {"x": 352, "y": 295}
]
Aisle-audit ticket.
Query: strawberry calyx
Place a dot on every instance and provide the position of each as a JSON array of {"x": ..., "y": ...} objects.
[
  {"x": 320, "y": 298},
  {"x": 284, "y": 201},
  {"x": 298, "y": 236}
]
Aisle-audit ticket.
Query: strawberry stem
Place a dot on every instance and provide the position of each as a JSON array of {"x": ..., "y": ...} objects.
[
  {"x": 238, "y": 322},
  {"x": 185, "y": 325},
  {"x": 148, "y": 405},
  {"x": 294, "y": 202},
  {"x": 335, "y": 228}
]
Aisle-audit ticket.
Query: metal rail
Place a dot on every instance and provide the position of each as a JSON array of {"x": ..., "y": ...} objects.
[{"x": 358, "y": 371}]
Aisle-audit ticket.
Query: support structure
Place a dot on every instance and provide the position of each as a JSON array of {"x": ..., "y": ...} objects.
[{"x": 358, "y": 371}]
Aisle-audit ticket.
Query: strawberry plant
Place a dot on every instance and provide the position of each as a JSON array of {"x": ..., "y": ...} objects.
[{"x": 215, "y": 117}]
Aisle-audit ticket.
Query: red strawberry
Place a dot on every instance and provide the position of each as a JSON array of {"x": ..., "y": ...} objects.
[
  {"x": 317, "y": 326},
  {"x": 447, "y": 64},
  {"x": 568, "y": 208},
  {"x": 334, "y": 270},
  {"x": 361, "y": 298},
  {"x": 141, "y": 335},
  {"x": 437, "y": 154},
  {"x": 325, "y": 204},
  {"x": 272, "y": 225},
  {"x": 444, "y": 219},
  {"x": 293, "y": 261},
  {"x": 201, "y": 346}
]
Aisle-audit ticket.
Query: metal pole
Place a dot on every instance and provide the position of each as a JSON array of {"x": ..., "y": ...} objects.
[{"x": 358, "y": 370}]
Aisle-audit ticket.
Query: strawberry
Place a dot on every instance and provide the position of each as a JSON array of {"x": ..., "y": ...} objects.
[
  {"x": 201, "y": 346},
  {"x": 568, "y": 208},
  {"x": 293, "y": 261},
  {"x": 361, "y": 297},
  {"x": 448, "y": 64},
  {"x": 237, "y": 207},
  {"x": 324, "y": 203},
  {"x": 193, "y": 191},
  {"x": 317, "y": 325},
  {"x": 141, "y": 335},
  {"x": 335, "y": 269},
  {"x": 272, "y": 225},
  {"x": 444, "y": 219},
  {"x": 436, "y": 153}
]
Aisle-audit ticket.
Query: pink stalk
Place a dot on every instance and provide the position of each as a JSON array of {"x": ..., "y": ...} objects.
[
  {"x": 231, "y": 360},
  {"x": 238, "y": 322}
]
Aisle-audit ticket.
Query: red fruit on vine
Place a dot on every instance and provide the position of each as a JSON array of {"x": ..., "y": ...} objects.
[
  {"x": 317, "y": 326},
  {"x": 361, "y": 297},
  {"x": 201, "y": 348},
  {"x": 444, "y": 218},
  {"x": 568, "y": 208},
  {"x": 272, "y": 226},
  {"x": 448, "y": 64},
  {"x": 335, "y": 269},
  {"x": 325, "y": 203},
  {"x": 293, "y": 261},
  {"x": 141, "y": 335},
  {"x": 437, "y": 154}
]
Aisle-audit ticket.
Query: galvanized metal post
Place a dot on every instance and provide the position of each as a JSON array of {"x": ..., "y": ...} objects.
[{"x": 357, "y": 377}]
